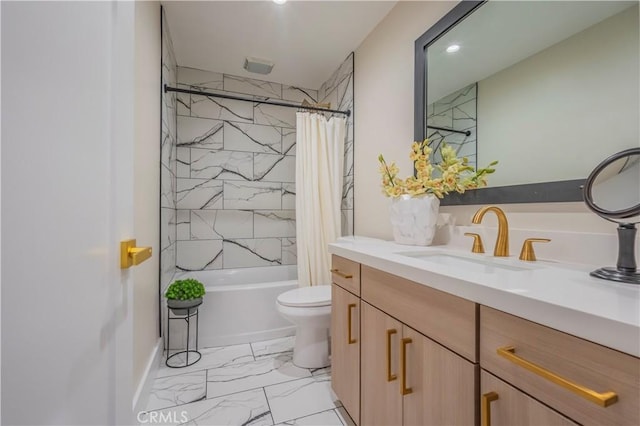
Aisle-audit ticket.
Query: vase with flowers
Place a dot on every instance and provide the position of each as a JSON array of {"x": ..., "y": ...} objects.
[{"x": 416, "y": 199}]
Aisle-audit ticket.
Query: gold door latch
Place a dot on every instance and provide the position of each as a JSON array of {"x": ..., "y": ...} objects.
[{"x": 131, "y": 255}]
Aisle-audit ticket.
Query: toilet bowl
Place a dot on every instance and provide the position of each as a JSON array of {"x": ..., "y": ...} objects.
[{"x": 309, "y": 308}]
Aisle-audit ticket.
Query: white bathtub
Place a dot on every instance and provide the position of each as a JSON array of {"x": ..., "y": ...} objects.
[{"x": 239, "y": 306}]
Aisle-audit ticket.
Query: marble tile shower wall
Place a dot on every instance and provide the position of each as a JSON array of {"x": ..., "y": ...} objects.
[
  {"x": 455, "y": 111},
  {"x": 168, "y": 164},
  {"x": 338, "y": 90},
  {"x": 236, "y": 170}
]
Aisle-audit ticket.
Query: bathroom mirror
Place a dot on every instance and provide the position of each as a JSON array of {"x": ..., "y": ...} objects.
[
  {"x": 612, "y": 191},
  {"x": 532, "y": 83}
]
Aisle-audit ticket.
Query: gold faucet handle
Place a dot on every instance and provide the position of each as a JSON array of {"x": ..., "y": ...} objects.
[
  {"x": 477, "y": 242},
  {"x": 527, "y": 252}
]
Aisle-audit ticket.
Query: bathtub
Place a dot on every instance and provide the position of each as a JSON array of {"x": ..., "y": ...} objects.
[{"x": 239, "y": 306}]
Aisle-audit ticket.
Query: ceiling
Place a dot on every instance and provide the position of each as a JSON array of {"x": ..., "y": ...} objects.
[
  {"x": 307, "y": 40},
  {"x": 502, "y": 33}
]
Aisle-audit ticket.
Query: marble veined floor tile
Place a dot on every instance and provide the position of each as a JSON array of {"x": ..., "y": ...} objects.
[
  {"x": 177, "y": 390},
  {"x": 272, "y": 347},
  {"x": 211, "y": 358},
  {"x": 299, "y": 398},
  {"x": 262, "y": 372},
  {"x": 244, "y": 408},
  {"x": 325, "y": 418},
  {"x": 320, "y": 371}
]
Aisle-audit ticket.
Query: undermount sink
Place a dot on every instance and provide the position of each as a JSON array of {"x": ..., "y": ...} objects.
[{"x": 478, "y": 264}]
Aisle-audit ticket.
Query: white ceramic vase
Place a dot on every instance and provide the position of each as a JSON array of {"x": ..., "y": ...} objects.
[{"x": 413, "y": 219}]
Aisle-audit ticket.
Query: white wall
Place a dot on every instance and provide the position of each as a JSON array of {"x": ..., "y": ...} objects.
[
  {"x": 564, "y": 109},
  {"x": 0, "y": 236},
  {"x": 147, "y": 182},
  {"x": 383, "y": 105}
]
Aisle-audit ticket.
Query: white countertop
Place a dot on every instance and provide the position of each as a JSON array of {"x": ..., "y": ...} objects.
[{"x": 561, "y": 296}]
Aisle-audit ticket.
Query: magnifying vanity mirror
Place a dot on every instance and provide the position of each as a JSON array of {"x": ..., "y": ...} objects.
[{"x": 612, "y": 191}]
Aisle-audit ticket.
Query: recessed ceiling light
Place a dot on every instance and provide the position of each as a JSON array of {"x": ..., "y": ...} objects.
[
  {"x": 452, "y": 48},
  {"x": 279, "y": 1}
]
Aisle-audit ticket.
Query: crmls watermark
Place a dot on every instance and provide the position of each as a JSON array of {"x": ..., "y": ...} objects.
[{"x": 155, "y": 417}]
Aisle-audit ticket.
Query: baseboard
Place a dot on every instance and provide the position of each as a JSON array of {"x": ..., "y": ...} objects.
[{"x": 141, "y": 396}]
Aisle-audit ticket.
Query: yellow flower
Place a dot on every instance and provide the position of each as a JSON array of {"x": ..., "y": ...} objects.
[
  {"x": 421, "y": 164},
  {"x": 455, "y": 173}
]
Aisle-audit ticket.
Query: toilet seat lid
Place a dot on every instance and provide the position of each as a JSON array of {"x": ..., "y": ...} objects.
[{"x": 318, "y": 295}]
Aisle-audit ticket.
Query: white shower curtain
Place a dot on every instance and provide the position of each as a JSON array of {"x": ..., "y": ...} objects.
[{"x": 319, "y": 169}]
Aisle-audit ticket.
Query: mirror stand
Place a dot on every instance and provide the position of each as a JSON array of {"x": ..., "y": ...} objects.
[{"x": 626, "y": 270}]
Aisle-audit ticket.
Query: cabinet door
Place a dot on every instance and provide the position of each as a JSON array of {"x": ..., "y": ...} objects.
[
  {"x": 381, "y": 390},
  {"x": 345, "y": 349},
  {"x": 504, "y": 405},
  {"x": 443, "y": 390},
  {"x": 601, "y": 386}
]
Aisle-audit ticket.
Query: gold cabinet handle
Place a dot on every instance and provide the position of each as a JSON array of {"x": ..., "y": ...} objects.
[
  {"x": 403, "y": 357},
  {"x": 477, "y": 242},
  {"x": 390, "y": 377},
  {"x": 487, "y": 399},
  {"x": 131, "y": 255},
  {"x": 350, "y": 320},
  {"x": 527, "y": 252},
  {"x": 342, "y": 274},
  {"x": 603, "y": 399}
]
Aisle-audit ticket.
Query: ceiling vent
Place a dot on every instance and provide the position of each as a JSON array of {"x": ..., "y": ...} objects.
[{"x": 257, "y": 65}]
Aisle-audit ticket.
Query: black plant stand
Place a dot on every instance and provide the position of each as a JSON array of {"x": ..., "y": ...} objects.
[{"x": 191, "y": 356}]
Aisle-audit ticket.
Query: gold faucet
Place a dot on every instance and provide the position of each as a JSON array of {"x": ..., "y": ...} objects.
[{"x": 502, "y": 242}]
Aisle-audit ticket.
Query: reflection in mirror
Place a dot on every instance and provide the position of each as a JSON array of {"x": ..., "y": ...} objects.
[
  {"x": 452, "y": 119},
  {"x": 612, "y": 190},
  {"x": 617, "y": 186},
  {"x": 555, "y": 87}
]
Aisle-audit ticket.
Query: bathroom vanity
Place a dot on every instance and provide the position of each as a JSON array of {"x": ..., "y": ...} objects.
[{"x": 432, "y": 336}]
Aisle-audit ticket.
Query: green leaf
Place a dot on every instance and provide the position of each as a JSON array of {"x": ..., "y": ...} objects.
[{"x": 186, "y": 289}]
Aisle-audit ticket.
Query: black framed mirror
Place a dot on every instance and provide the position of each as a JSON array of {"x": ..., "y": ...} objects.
[
  {"x": 612, "y": 191},
  {"x": 576, "y": 31}
]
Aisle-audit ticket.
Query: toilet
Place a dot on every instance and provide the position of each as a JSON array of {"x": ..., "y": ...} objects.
[{"x": 309, "y": 308}]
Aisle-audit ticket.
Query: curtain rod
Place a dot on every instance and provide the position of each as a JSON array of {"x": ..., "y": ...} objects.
[
  {"x": 464, "y": 132},
  {"x": 239, "y": 98}
]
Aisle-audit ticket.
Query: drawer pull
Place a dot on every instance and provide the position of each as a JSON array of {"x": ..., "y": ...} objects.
[
  {"x": 403, "y": 356},
  {"x": 349, "y": 316},
  {"x": 603, "y": 399},
  {"x": 487, "y": 399},
  {"x": 390, "y": 377},
  {"x": 342, "y": 274}
]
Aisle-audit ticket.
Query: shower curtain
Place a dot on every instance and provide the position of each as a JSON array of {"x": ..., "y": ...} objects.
[{"x": 319, "y": 170}]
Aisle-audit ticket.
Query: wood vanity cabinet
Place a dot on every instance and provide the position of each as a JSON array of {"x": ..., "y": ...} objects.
[
  {"x": 404, "y": 353},
  {"x": 345, "y": 334},
  {"x": 586, "y": 382},
  {"x": 381, "y": 388},
  {"x": 408, "y": 378},
  {"x": 513, "y": 407}
]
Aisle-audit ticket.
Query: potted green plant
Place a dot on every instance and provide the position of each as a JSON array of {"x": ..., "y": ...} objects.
[{"x": 183, "y": 295}]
